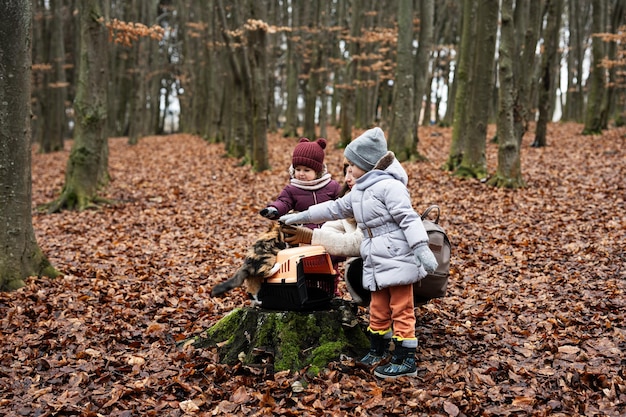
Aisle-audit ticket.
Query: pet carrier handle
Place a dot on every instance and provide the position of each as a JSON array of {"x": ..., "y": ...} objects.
[{"x": 429, "y": 209}]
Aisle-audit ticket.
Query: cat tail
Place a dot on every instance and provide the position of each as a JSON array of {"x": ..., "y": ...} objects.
[{"x": 236, "y": 281}]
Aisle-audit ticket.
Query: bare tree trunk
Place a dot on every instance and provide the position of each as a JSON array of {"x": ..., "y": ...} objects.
[
  {"x": 237, "y": 131},
  {"x": 549, "y": 70},
  {"x": 367, "y": 81},
  {"x": 579, "y": 14},
  {"x": 312, "y": 76},
  {"x": 257, "y": 41},
  {"x": 20, "y": 255},
  {"x": 450, "y": 24},
  {"x": 348, "y": 94},
  {"x": 197, "y": 67},
  {"x": 593, "y": 116},
  {"x": 462, "y": 82},
  {"x": 422, "y": 75},
  {"x": 326, "y": 38},
  {"x": 121, "y": 66},
  {"x": 403, "y": 128},
  {"x": 274, "y": 53},
  {"x": 87, "y": 167},
  {"x": 39, "y": 69},
  {"x": 473, "y": 163},
  {"x": 292, "y": 91},
  {"x": 334, "y": 59},
  {"x": 214, "y": 68},
  {"x": 139, "y": 125},
  {"x": 55, "y": 94},
  {"x": 248, "y": 63},
  {"x": 509, "y": 172},
  {"x": 617, "y": 18},
  {"x": 527, "y": 17}
]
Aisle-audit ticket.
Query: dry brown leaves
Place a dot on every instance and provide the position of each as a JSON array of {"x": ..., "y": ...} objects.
[{"x": 533, "y": 324}]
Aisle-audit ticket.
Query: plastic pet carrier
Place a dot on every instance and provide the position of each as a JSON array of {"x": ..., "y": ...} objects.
[{"x": 305, "y": 281}]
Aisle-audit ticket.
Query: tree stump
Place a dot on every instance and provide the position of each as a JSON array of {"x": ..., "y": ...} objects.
[{"x": 286, "y": 340}]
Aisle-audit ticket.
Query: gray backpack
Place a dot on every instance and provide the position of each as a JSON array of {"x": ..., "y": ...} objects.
[{"x": 432, "y": 285}]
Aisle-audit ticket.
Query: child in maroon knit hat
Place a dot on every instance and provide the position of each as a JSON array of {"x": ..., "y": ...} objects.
[{"x": 310, "y": 182}]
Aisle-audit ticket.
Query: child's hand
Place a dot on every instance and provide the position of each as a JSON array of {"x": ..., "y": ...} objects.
[
  {"x": 424, "y": 256},
  {"x": 269, "y": 212},
  {"x": 302, "y": 217},
  {"x": 295, "y": 235}
]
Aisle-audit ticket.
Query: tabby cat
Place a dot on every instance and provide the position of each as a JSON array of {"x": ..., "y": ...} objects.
[{"x": 259, "y": 263}]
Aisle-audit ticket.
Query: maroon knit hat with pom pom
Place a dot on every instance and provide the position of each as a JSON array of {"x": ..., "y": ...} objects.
[{"x": 310, "y": 154}]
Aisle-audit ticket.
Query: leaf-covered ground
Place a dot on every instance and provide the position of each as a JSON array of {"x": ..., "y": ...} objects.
[{"x": 534, "y": 323}]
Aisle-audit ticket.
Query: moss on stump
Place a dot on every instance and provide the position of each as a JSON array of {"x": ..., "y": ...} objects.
[{"x": 286, "y": 340}]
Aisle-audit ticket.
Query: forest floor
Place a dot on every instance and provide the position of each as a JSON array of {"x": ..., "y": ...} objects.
[{"x": 534, "y": 323}]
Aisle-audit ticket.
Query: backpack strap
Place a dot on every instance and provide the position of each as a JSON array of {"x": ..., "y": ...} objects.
[{"x": 428, "y": 210}]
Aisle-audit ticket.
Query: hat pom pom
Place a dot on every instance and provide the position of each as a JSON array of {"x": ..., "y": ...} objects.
[{"x": 321, "y": 142}]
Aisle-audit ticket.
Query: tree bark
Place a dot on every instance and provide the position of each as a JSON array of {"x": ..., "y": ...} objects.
[
  {"x": 87, "y": 167},
  {"x": 139, "y": 125},
  {"x": 53, "y": 105},
  {"x": 350, "y": 75},
  {"x": 402, "y": 135},
  {"x": 608, "y": 107},
  {"x": 121, "y": 89},
  {"x": 549, "y": 71},
  {"x": 238, "y": 128},
  {"x": 422, "y": 75},
  {"x": 311, "y": 76},
  {"x": 450, "y": 20},
  {"x": 593, "y": 116},
  {"x": 509, "y": 172},
  {"x": 20, "y": 255},
  {"x": 579, "y": 11},
  {"x": 257, "y": 41},
  {"x": 39, "y": 37},
  {"x": 473, "y": 163},
  {"x": 527, "y": 17},
  {"x": 462, "y": 82},
  {"x": 292, "y": 63}
]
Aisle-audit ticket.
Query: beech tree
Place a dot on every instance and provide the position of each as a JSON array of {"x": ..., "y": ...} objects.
[
  {"x": 422, "y": 80},
  {"x": 461, "y": 87},
  {"x": 597, "y": 74},
  {"x": 509, "y": 172},
  {"x": 612, "y": 84},
  {"x": 403, "y": 132},
  {"x": 246, "y": 48},
  {"x": 87, "y": 166},
  {"x": 348, "y": 94},
  {"x": 20, "y": 255},
  {"x": 516, "y": 63},
  {"x": 615, "y": 63},
  {"x": 144, "y": 97},
  {"x": 467, "y": 156},
  {"x": 54, "y": 94},
  {"x": 527, "y": 16},
  {"x": 549, "y": 70},
  {"x": 312, "y": 77},
  {"x": 292, "y": 63},
  {"x": 579, "y": 26}
]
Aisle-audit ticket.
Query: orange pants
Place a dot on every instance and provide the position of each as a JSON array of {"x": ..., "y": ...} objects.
[{"x": 393, "y": 307}]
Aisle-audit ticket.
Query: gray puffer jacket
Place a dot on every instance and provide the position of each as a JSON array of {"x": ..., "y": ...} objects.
[{"x": 381, "y": 205}]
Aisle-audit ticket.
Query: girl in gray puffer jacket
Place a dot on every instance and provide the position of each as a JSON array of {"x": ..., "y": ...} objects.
[{"x": 394, "y": 250}]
